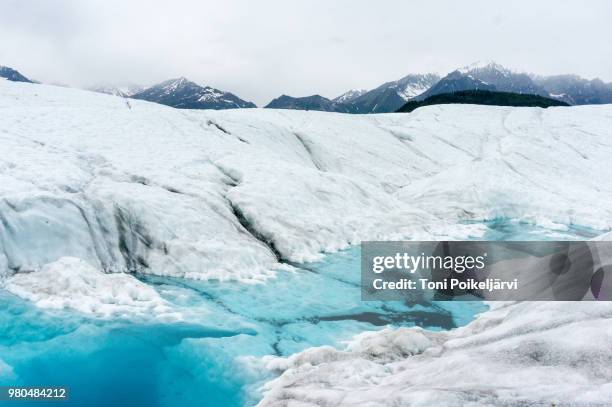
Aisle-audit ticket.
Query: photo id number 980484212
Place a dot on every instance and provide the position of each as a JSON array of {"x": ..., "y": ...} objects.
[{"x": 33, "y": 393}]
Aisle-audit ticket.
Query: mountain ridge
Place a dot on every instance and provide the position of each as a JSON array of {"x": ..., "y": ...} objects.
[
  {"x": 121, "y": 91},
  {"x": 388, "y": 97},
  {"x": 13, "y": 75},
  {"x": 184, "y": 94},
  {"x": 313, "y": 102}
]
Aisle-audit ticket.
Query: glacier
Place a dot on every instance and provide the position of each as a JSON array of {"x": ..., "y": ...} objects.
[
  {"x": 226, "y": 240},
  {"x": 229, "y": 195}
]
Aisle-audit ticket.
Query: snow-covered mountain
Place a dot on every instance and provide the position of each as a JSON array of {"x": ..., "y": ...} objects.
[
  {"x": 576, "y": 90},
  {"x": 488, "y": 75},
  {"x": 503, "y": 79},
  {"x": 13, "y": 75},
  {"x": 390, "y": 96},
  {"x": 484, "y": 76},
  {"x": 122, "y": 91},
  {"x": 184, "y": 94},
  {"x": 314, "y": 102},
  {"x": 455, "y": 81},
  {"x": 349, "y": 96},
  {"x": 571, "y": 89}
]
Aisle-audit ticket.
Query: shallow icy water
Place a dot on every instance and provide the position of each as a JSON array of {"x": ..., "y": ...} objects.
[
  {"x": 509, "y": 229},
  {"x": 212, "y": 361}
]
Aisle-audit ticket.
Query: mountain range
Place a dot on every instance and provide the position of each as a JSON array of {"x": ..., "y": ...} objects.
[
  {"x": 314, "y": 102},
  {"x": 576, "y": 90},
  {"x": 184, "y": 94},
  {"x": 388, "y": 97},
  {"x": 485, "y": 76}
]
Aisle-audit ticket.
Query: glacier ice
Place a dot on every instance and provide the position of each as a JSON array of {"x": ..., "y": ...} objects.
[
  {"x": 514, "y": 354},
  {"x": 229, "y": 194},
  {"x": 72, "y": 283}
]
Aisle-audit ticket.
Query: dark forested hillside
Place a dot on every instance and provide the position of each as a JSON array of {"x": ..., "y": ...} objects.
[{"x": 483, "y": 97}]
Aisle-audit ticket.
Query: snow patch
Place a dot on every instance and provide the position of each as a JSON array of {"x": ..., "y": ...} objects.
[
  {"x": 350, "y": 95},
  {"x": 484, "y": 65},
  {"x": 71, "y": 283}
]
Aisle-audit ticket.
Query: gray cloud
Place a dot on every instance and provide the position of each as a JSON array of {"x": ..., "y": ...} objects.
[{"x": 260, "y": 49}]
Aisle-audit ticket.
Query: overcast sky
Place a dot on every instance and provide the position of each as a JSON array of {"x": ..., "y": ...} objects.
[{"x": 260, "y": 49}]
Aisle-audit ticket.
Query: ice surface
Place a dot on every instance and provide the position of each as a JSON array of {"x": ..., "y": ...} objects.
[
  {"x": 72, "y": 283},
  {"x": 227, "y": 194},
  {"x": 515, "y": 354}
]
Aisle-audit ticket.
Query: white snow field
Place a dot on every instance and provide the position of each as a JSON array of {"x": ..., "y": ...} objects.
[
  {"x": 92, "y": 184},
  {"x": 222, "y": 194},
  {"x": 197, "y": 194}
]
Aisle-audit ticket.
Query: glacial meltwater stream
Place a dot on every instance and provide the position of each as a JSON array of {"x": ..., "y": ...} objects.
[{"x": 214, "y": 360}]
